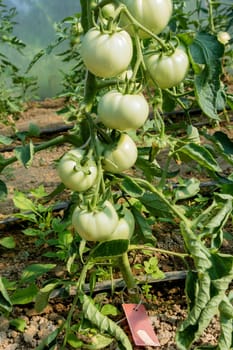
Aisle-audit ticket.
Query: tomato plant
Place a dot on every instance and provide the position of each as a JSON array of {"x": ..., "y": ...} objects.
[
  {"x": 120, "y": 156},
  {"x": 77, "y": 171},
  {"x": 123, "y": 111},
  {"x": 95, "y": 225},
  {"x": 152, "y": 14},
  {"x": 106, "y": 54},
  {"x": 167, "y": 70},
  {"x": 112, "y": 133}
]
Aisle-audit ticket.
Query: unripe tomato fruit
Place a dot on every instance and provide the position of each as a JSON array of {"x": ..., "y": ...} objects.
[
  {"x": 224, "y": 37},
  {"x": 121, "y": 156},
  {"x": 167, "y": 70},
  {"x": 108, "y": 11},
  {"x": 97, "y": 225},
  {"x": 125, "y": 226},
  {"x": 123, "y": 111},
  {"x": 152, "y": 14},
  {"x": 106, "y": 54},
  {"x": 75, "y": 172}
]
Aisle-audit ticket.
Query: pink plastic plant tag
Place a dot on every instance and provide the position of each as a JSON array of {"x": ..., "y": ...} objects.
[{"x": 140, "y": 325}]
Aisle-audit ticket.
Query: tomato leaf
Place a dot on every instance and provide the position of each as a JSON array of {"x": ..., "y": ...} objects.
[
  {"x": 24, "y": 295},
  {"x": 155, "y": 205},
  {"x": 151, "y": 171},
  {"x": 206, "y": 290},
  {"x": 103, "y": 322},
  {"x": 19, "y": 324},
  {"x": 3, "y": 190},
  {"x": 7, "y": 242},
  {"x": 5, "y": 140},
  {"x": 25, "y": 154},
  {"x": 108, "y": 249},
  {"x": 32, "y": 272},
  {"x": 5, "y": 302},
  {"x": 143, "y": 227},
  {"x": 211, "y": 221},
  {"x": 201, "y": 155},
  {"x": 206, "y": 51},
  {"x": 223, "y": 144},
  {"x": 187, "y": 189},
  {"x": 131, "y": 187},
  {"x": 23, "y": 203},
  {"x": 49, "y": 343},
  {"x": 43, "y": 296}
]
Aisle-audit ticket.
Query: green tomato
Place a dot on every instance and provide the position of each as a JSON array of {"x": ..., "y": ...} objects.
[
  {"x": 97, "y": 225},
  {"x": 76, "y": 172},
  {"x": 167, "y": 70},
  {"x": 106, "y": 54},
  {"x": 125, "y": 227},
  {"x": 152, "y": 14},
  {"x": 123, "y": 111},
  {"x": 120, "y": 156},
  {"x": 224, "y": 37},
  {"x": 108, "y": 11}
]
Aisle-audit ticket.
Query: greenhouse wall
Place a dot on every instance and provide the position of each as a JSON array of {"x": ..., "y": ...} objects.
[{"x": 36, "y": 23}]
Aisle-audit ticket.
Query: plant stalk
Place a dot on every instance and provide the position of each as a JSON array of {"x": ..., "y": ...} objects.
[
  {"x": 54, "y": 142},
  {"x": 128, "y": 277}
]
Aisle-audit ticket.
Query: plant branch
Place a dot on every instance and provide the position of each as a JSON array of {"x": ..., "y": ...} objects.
[{"x": 54, "y": 142}]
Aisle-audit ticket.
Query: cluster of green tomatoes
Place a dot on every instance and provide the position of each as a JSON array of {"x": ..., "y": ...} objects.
[{"x": 108, "y": 54}]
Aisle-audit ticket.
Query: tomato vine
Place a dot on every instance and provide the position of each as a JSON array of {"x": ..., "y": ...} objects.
[{"x": 132, "y": 73}]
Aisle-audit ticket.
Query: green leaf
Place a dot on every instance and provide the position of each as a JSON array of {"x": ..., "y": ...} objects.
[
  {"x": 205, "y": 292},
  {"x": 187, "y": 189},
  {"x": 73, "y": 341},
  {"x": 24, "y": 295},
  {"x": 150, "y": 170},
  {"x": 5, "y": 140},
  {"x": 8, "y": 242},
  {"x": 155, "y": 205},
  {"x": 23, "y": 203},
  {"x": 43, "y": 296},
  {"x": 211, "y": 221},
  {"x": 206, "y": 51},
  {"x": 131, "y": 187},
  {"x": 19, "y": 324},
  {"x": 109, "y": 309},
  {"x": 109, "y": 249},
  {"x": 32, "y": 272},
  {"x": 5, "y": 302},
  {"x": 201, "y": 155},
  {"x": 33, "y": 130},
  {"x": 49, "y": 343},
  {"x": 25, "y": 154},
  {"x": 3, "y": 190},
  {"x": 144, "y": 230},
  {"x": 103, "y": 323},
  {"x": 98, "y": 341},
  {"x": 224, "y": 145}
]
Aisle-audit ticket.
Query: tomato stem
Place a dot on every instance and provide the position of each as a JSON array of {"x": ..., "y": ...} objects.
[
  {"x": 211, "y": 16},
  {"x": 124, "y": 9},
  {"x": 72, "y": 139},
  {"x": 128, "y": 277}
]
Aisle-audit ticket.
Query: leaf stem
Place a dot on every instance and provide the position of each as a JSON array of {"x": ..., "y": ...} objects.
[
  {"x": 158, "y": 250},
  {"x": 73, "y": 139},
  {"x": 140, "y": 26}
]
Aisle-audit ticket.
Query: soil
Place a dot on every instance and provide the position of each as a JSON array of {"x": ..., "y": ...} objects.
[{"x": 166, "y": 303}]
